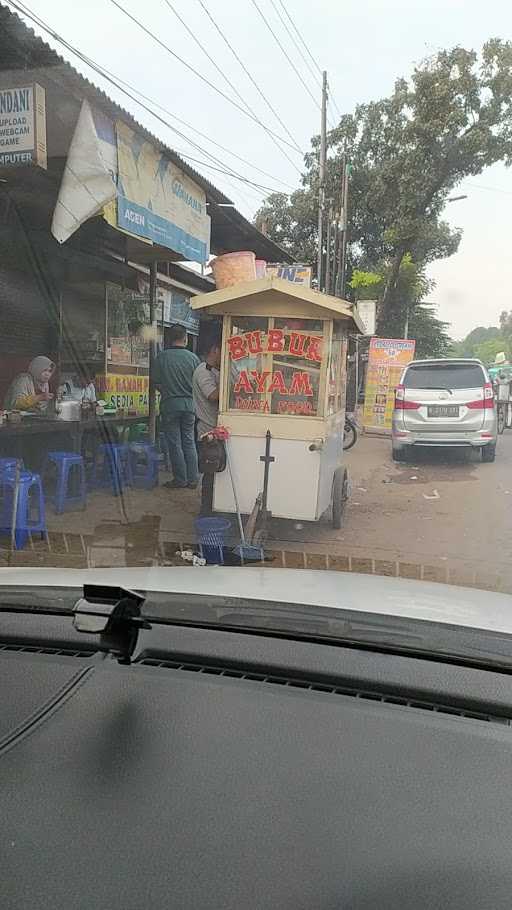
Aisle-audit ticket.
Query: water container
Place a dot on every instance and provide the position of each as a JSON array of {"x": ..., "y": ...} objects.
[{"x": 231, "y": 268}]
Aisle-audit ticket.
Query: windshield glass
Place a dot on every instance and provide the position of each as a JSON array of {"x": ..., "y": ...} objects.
[
  {"x": 231, "y": 249},
  {"x": 444, "y": 376}
]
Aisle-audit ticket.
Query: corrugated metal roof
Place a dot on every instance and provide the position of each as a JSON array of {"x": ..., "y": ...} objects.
[{"x": 20, "y": 47}]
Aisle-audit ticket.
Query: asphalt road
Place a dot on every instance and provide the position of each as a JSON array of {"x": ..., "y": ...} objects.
[{"x": 446, "y": 516}]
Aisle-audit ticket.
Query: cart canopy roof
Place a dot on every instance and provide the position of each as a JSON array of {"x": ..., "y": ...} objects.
[{"x": 275, "y": 296}]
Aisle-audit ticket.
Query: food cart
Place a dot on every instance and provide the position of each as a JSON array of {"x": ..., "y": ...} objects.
[{"x": 282, "y": 398}]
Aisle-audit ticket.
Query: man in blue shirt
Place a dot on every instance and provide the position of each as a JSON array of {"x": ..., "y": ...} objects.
[{"x": 173, "y": 373}]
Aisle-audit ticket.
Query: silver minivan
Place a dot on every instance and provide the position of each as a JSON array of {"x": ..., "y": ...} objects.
[{"x": 444, "y": 403}]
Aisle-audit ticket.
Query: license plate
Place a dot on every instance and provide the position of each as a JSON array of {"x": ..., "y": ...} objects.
[{"x": 443, "y": 411}]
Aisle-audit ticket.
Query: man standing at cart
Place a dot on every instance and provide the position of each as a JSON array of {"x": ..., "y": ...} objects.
[
  {"x": 173, "y": 373},
  {"x": 205, "y": 389}
]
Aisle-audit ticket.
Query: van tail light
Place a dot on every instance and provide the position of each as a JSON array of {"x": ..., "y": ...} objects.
[
  {"x": 401, "y": 404},
  {"x": 483, "y": 404}
]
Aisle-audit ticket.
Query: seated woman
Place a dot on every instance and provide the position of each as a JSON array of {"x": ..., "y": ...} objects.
[{"x": 31, "y": 389}]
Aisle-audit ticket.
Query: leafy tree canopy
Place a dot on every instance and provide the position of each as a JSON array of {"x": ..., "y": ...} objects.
[
  {"x": 408, "y": 152},
  {"x": 476, "y": 338}
]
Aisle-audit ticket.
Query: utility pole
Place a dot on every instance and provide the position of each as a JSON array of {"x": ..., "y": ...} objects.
[
  {"x": 340, "y": 233},
  {"x": 321, "y": 183},
  {"x": 344, "y": 216},
  {"x": 328, "y": 253},
  {"x": 153, "y": 292}
]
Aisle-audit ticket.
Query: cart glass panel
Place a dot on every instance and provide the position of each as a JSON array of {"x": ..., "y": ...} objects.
[
  {"x": 275, "y": 365},
  {"x": 337, "y": 377}
]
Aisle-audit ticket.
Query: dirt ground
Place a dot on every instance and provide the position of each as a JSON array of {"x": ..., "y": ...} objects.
[{"x": 444, "y": 517}]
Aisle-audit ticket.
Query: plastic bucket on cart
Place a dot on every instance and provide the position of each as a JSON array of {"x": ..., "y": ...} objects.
[
  {"x": 211, "y": 536},
  {"x": 230, "y": 268}
]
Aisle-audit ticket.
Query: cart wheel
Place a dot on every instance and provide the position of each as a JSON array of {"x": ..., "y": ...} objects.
[
  {"x": 339, "y": 497},
  {"x": 508, "y": 416},
  {"x": 501, "y": 418}
]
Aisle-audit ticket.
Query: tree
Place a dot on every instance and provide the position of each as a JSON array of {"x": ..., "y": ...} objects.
[
  {"x": 408, "y": 152},
  {"x": 431, "y": 333},
  {"x": 476, "y": 338},
  {"x": 486, "y": 351}
]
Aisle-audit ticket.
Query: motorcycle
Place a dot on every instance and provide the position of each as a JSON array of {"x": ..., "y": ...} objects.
[{"x": 350, "y": 432}]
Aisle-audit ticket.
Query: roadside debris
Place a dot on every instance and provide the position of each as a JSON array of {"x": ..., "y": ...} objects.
[
  {"x": 435, "y": 495},
  {"x": 189, "y": 556}
]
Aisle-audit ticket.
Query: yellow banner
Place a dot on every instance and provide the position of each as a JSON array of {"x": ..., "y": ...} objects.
[
  {"x": 122, "y": 391},
  {"x": 386, "y": 359}
]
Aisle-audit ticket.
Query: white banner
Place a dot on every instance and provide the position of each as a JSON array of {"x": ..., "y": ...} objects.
[
  {"x": 89, "y": 179},
  {"x": 367, "y": 311}
]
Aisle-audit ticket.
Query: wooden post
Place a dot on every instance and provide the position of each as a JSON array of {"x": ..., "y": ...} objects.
[{"x": 152, "y": 349}]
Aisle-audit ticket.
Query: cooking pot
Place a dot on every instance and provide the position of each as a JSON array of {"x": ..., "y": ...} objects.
[{"x": 68, "y": 410}]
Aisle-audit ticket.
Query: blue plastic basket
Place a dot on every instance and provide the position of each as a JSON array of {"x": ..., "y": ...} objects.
[{"x": 211, "y": 537}]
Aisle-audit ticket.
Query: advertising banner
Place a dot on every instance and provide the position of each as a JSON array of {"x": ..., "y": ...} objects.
[
  {"x": 173, "y": 307},
  {"x": 156, "y": 200},
  {"x": 23, "y": 126},
  {"x": 112, "y": 170},
  {"x": 297, "y": 274},
  {"x": 386, "y": 360},
  {"x": 124, "y": 392}
]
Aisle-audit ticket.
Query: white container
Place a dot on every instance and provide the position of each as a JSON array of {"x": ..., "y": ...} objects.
[{"x": 68, "y": 410}]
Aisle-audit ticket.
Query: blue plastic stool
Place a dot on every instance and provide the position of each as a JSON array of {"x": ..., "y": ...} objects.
[
  {"x": 30, "y": 500},
  {"x": 114, "y": 468},
  {"x": 67, "y": 464},
  {"x": 211, "y": 534},
  {"x": 144, "y": 460},
  {"x": 7, "y": 465}
]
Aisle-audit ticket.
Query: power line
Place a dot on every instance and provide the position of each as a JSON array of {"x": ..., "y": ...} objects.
[
  {"x": 283, "y": 51},
  {"x": 203, "y": 135},
  {"x": 233, "y": 87},
  {"x": 306, "y": 48},
  {"x": 298, "y": 48},
  {"x": 246, "y": 71},
  {"x": 491, "y": 189},
  {"x": 188, "y": 66},
  {"x": 208, "y": 55},
  {"x": 112, "y": 80}
]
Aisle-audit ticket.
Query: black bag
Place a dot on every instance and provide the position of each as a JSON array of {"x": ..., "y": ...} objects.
[{"x": 212, "y": 456}]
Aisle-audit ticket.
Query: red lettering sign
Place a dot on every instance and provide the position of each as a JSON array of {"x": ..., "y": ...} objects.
[
  {"x": 314, "y": 351},
  {"x": 301, "y": 385},
  {"x": 260, "y": 379},
  {"x": 275, "y": 340},
  {"x": 278, "y": 384},
  {"x": 297, "y": 342},
  {"x": 237, "y": 347},
  {"x": 243, "y": 383},
  {"x": 254, "y": 342}
]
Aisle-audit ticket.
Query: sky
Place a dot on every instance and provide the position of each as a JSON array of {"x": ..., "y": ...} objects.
[{"x": 363, "y": 44}]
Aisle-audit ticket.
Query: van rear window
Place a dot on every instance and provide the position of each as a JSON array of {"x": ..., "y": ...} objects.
[{"x": 444, "y": 376}]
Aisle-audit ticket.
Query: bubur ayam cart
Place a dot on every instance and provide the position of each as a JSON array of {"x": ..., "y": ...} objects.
[{"x": 282, "y": 398}]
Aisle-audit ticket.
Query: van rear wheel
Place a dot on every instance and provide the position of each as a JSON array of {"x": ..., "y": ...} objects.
[{"x": 488, "y": 453}]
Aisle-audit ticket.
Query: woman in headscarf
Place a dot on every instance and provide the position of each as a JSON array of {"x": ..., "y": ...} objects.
[{"x": 31, "y": 389}]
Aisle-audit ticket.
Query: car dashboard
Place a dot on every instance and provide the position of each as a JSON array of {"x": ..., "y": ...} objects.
[{"x": 231, "y": 770}]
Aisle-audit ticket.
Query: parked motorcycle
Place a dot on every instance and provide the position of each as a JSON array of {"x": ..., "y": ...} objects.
[{"x": 350, "y": 432}]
